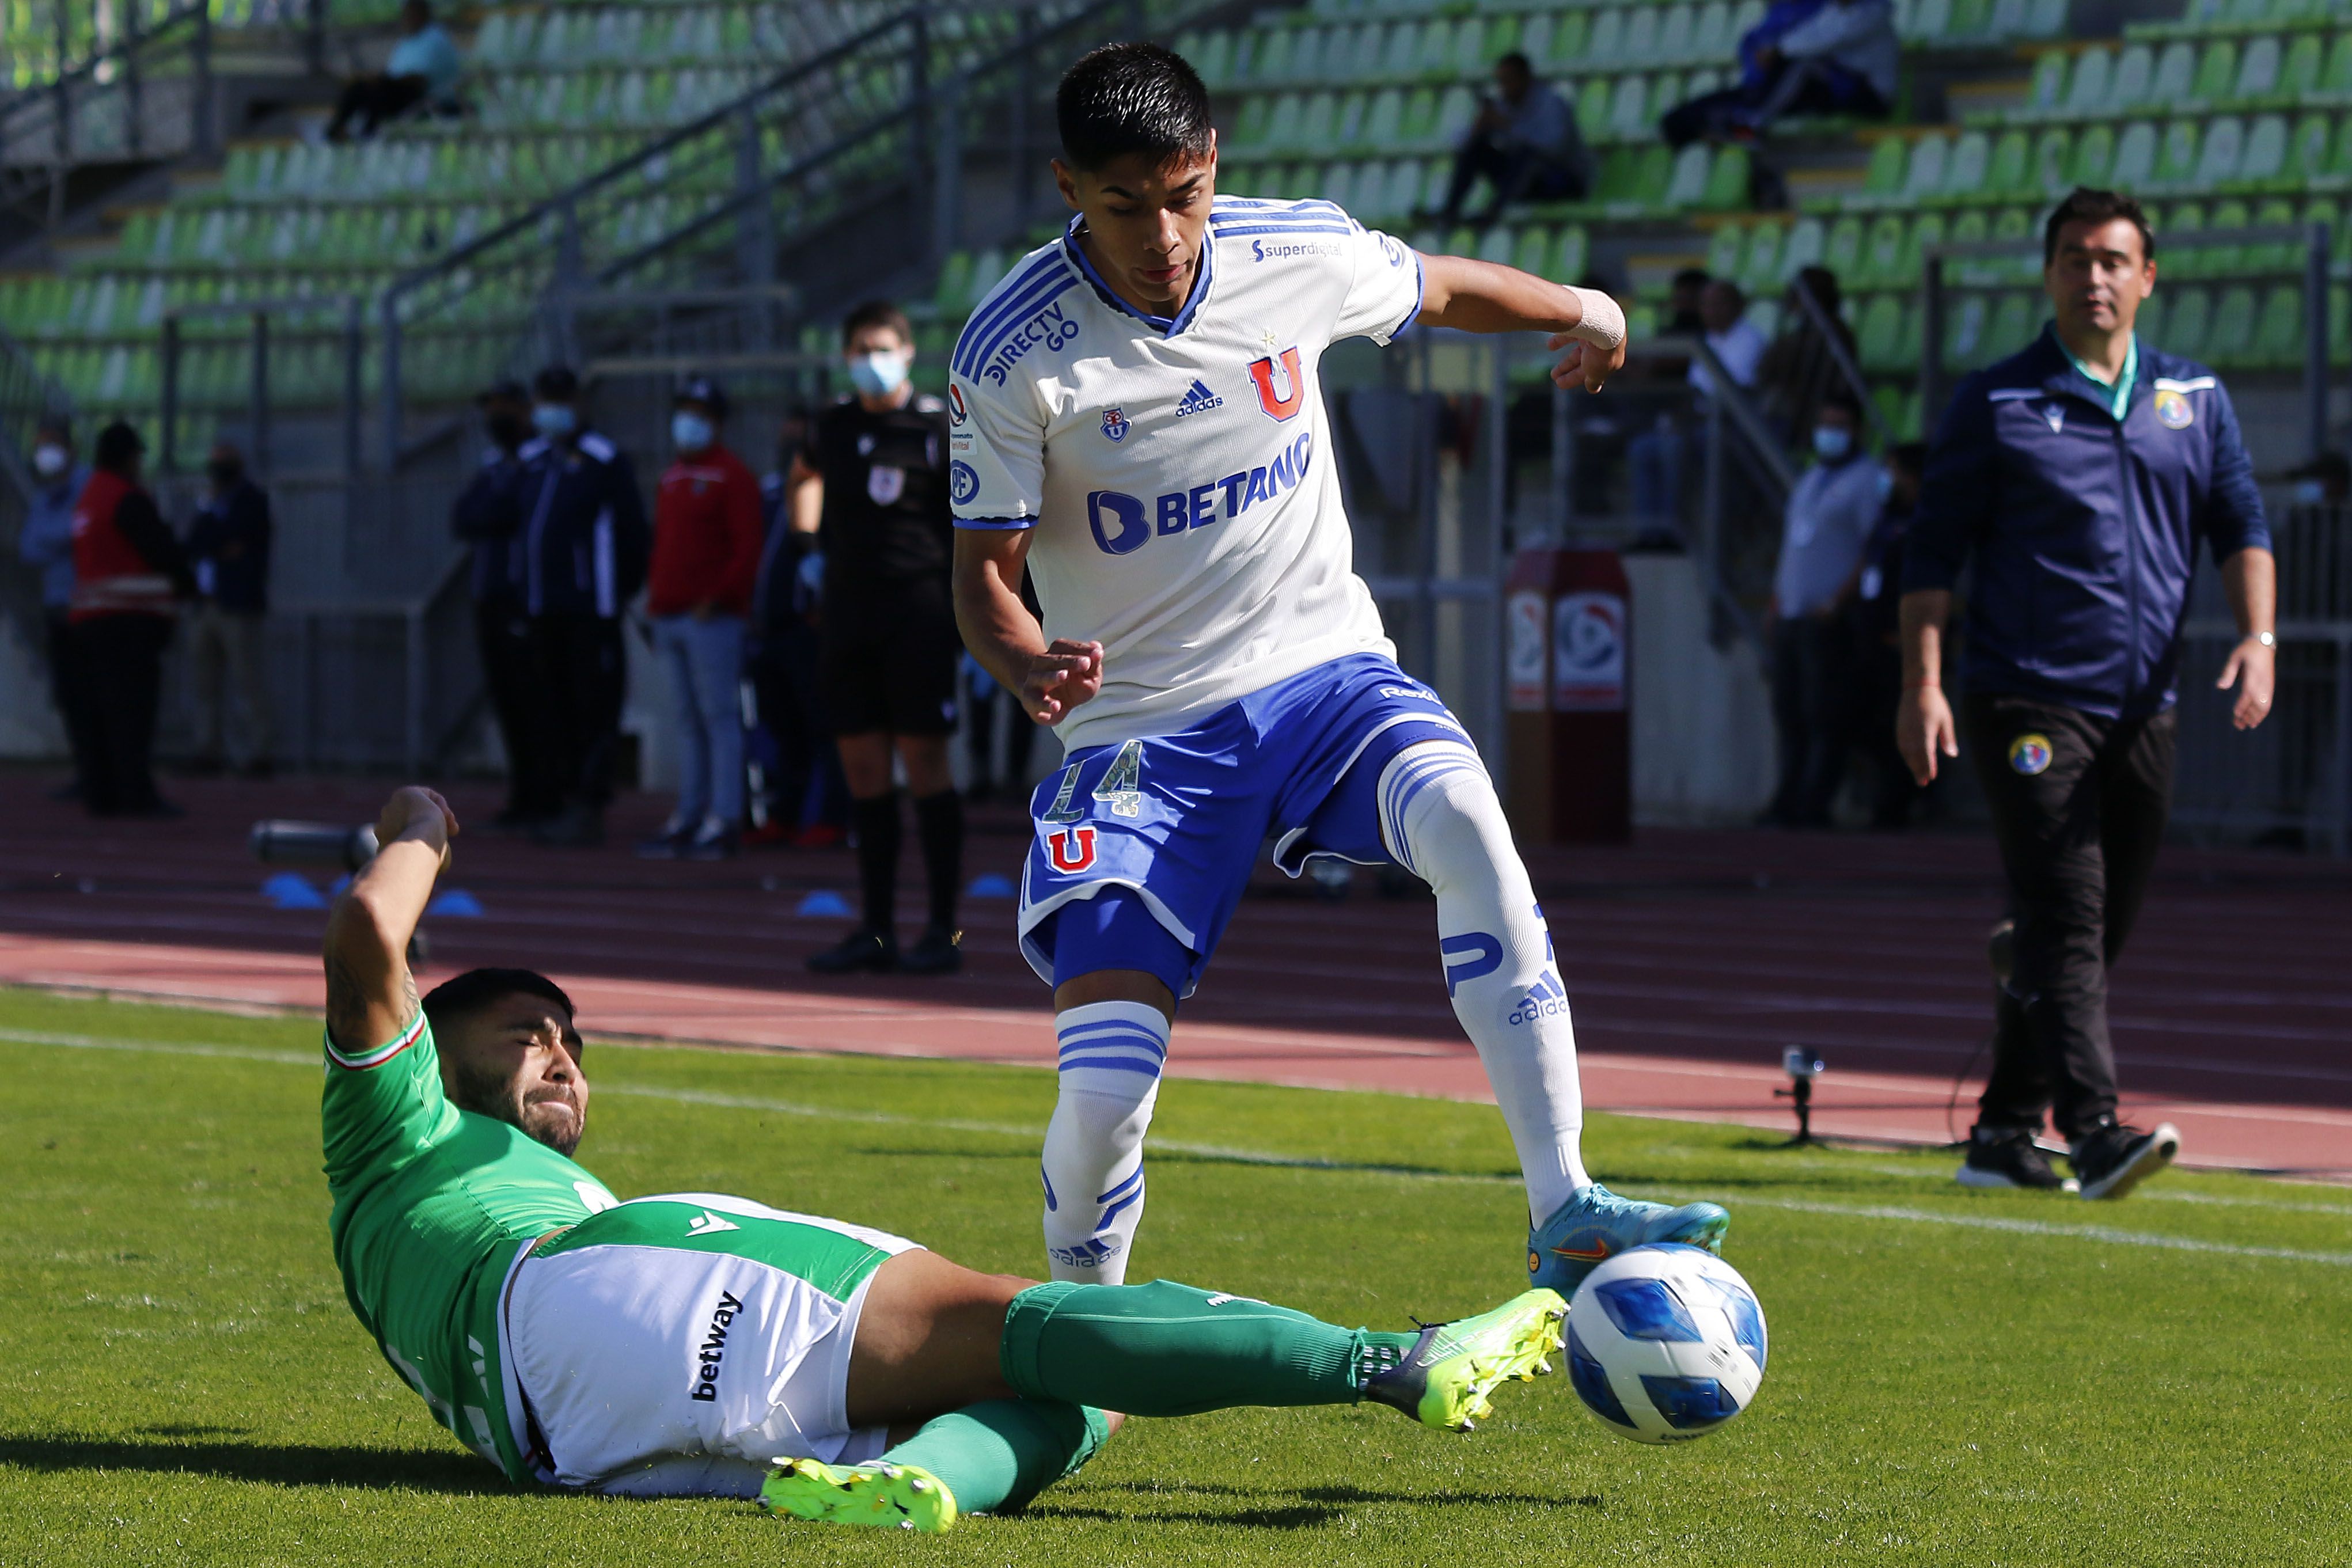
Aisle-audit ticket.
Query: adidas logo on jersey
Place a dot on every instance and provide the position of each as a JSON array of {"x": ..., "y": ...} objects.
[
  {"x": 1199, "y": 400},
  {"x": 1546, "y": 998}
]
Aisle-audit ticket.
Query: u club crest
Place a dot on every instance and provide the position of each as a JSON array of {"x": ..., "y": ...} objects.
[
  {"x": 1071, "y": 848},
  {"x": 1116, "y": 424}
]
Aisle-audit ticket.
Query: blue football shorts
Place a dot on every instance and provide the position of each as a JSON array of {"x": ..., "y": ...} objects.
[{"x": 1177, "y": 820}]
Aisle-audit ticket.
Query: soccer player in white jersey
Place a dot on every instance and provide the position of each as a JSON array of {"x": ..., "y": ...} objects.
[{"x": 1136, "y": 418}]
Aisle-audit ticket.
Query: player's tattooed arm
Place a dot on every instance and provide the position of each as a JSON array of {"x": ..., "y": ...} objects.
[
  {"x": 371, "y": 995},
  {"x": 1049, "y": 679},
  {"x": 1484, "y": 297}
]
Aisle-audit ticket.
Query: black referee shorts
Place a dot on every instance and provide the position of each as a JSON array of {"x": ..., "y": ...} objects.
[{"x": 888, "y": 659}]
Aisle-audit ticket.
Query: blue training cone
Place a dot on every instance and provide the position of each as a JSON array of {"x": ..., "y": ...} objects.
[
  {"x": 825, "y": 903},
  {"x": 990, "y": 885},
  {"x": 454, "y": 903},
  {"x": 290, "y": 890}
]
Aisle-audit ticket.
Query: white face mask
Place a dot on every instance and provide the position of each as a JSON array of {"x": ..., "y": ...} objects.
[
  {"x": 2307, "y": 492},
  {"x": 1831, "y": 441},
  {"x": 878, "y": 374},
  {"x": 49, "y": 461},
  {"x": 690, "y": 431},
  {"x": 553, "y": 419}
]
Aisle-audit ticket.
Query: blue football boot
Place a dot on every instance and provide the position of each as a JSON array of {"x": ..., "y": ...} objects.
[{"x": 1596, "y": 1224}]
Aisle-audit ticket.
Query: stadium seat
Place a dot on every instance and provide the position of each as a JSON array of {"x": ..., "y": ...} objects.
[
  {"x": 2135, "y": 158},
  {"x": 2088, "y": 92},
  {"x": 2185, "y": 322},
  {"x": 2224, "y": 148}
]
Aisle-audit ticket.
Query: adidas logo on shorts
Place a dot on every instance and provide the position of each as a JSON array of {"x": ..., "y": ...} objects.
[{"x": 1199, "y": 400}]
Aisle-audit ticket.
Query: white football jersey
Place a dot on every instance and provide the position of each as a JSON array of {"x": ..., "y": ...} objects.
[{"x": 1179, "y": 473}]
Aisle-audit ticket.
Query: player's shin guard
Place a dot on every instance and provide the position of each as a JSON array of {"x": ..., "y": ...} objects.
[
  {"x": 1093, "y": 1167},
  {"x": 1441, "y": 820}
]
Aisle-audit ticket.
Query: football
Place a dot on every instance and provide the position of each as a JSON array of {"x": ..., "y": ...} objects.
[{"x": 1665, "y": 1344}]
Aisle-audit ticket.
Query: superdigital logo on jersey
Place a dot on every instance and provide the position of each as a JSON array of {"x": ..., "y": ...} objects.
[{"x": 1123, "y": 524}]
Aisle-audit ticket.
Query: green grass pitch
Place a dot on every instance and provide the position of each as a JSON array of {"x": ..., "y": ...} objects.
[{"x": 1955, "y": 1379}]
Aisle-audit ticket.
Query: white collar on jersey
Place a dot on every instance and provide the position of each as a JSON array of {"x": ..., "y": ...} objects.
[{"x": 1166, "y": 326}]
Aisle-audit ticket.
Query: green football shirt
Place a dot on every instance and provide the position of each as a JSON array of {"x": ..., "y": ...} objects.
[{"x": 432, "y": 1205}]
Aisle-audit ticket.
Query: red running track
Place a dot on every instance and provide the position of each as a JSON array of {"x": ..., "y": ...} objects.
[{"x": 1693, "y": 958}]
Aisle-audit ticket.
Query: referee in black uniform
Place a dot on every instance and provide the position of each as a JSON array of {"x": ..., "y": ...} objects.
[
  {"x": 2082, "y": 475},
  {"x": 871, "y": 484}
]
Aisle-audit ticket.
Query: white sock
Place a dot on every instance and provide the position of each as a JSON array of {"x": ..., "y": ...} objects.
[
  {"x": 1093, "y": 1169},
  {"x": 1442, "y": 820}
]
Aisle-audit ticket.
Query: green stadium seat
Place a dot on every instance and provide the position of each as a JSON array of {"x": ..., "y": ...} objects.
[
  {"x": 1573, "y": 259},
  {"x": 2224, "y": 149},
  {"x": 2258, "y": 71},
  {"x": 2015, "y": 321},
  {"x": 1925, "y": 175},
  {"x": 1652, "y": 173},
  {"x": 2176, "y": 69},
  {"x": 1876, "y": 341},
  {"x": 1965, "y": 170},
  {"x": 2230, "y": 342},
  {"x": 2217, "y": 70},
  {"x": 1419, "y": 118},
  {"x": 2185, "y": 322},
  {"x": 2299, "y": 72},
  {"x": 2046, "y": 92},
  {"x": 2336, "y": 77},
  {"x": 1318, "y": 122},
  {"x": 2148, "y": 326},
  {"x": 1726, "y": 247},
  {"x": 1882, "y": 181},
  {"x": 1801, "y": 248},
  {"x": 1455, "y": 115},
  {"x": 2263, "y": 163},
  {"x": 1924, "y": 231},
  {"x": 2046, "y": 18},
  {"x": 2095, "y": 156},
  {"x": 1688, "y": 182},
  {"x": 1384, "y": 121},
  {"x": 1629, "y": 110},
  {"x": 1841, "y": 248},
  {"x": 1570, "y": 35},
  {"x": 2176, "y": 158},
  {"x": 1759, "y": 264},
  {"x": 1728, "y": 181},
  {"x": 1880, "y": 264},
  {"x": 1496, "y": 246},
  {"x": 2226, "y": 261},
  {"x": 1604, "y": 48},
  {"x": 1533, "y": 250},
  {"x": 2306, "y": 156},
  {"x": 2052, "y": 153},
  {"x": 1592, "y": 104},
  {"x": 2128, "y": 83},
  {"x": 2086, "y": 92},
  {"x": 1965, "y": 319},
  {"x": 2135, "y": 160},
  {"x": 2274, "y": 255}
]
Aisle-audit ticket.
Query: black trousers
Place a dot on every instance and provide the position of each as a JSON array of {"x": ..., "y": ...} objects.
[
  {"x": 117, "y": 665},
  {"x": 807, "y": 787},
  {"x": 510, "y": 674},
  {"x": 66, "y": 691},
  {"x": 1809, "y": 707},
  {"x": 1517, "y": 175},
  {"x": 374, "y": 99},
  {"x": 2078, "y": 805},
  {"x": 580, "y": 674}
]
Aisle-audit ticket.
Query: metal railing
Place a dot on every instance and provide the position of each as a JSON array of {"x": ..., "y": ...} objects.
[
  {"x": 334, "y": 317},
  {"x": 148, "y": 93},
  {"x": 874, "y": 124},
  {"x": 2312, "y": 237}
]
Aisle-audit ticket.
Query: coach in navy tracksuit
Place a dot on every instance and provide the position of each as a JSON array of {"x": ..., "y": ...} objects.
[
  {"x": 2080, "y": 474},
  {"x": 584, "y": 546}
]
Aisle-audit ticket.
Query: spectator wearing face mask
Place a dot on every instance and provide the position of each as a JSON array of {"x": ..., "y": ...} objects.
[
  {"x": 1878, "y": 644},
  {"x": 2325, "y": 481},
  {"x": 129, "y": 572},
  {"x": 1830, "y": 515},
  {"x": 582, "y": 524},
  {"x": 872, "y": 486},
  {"x": 488, "y": 518},
  {"x": 228, "y": 553},
  {"x": 46, "y": 546},
  {"x": 706, "y": 563}
]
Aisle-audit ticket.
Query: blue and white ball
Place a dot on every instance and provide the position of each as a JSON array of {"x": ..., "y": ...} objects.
[{"x": 1664, "y": 1343}]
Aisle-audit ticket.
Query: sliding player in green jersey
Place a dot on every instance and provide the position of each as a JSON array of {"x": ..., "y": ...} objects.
[{"x": 700, "y": 1345}]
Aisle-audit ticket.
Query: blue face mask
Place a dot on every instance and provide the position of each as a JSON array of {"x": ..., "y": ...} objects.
[
  {"x": 553, "y": 419},
  {"x": 877, "y": 375},
  {"x": 691, "y": 431},
  {"x": 1832, "y": 443}
]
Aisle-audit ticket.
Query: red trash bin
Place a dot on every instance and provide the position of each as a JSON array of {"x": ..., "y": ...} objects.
[{"x": 1568, "y": 662}]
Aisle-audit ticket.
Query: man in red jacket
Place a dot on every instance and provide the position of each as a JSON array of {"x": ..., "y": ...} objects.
[
  {"x": 706, "y": 560},
  {"x": 129, "y": 571}
]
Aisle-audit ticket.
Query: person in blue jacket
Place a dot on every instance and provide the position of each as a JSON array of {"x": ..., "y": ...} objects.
[
  {"x": 45, "y": 544},
  {"x": 2080, "y": 477}
]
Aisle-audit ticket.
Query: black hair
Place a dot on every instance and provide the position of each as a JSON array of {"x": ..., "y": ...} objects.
[
  {"x": 1517, "y": 62},
  {"x": 1910, "y": 456},
  {"x": 1693, "y": 277},
  {"x": 470, "y": 993},
  {"x": 560, "y": 383},
  {"x": 2085, "y": 204},
  {"x": 1736, "y": 293},
  {"x": 118, "y": 448},
  {"x": 1133, "y": 100},
  {"x": 877, "y": 313},
  {"x": 1823, "y": 284},
  {"x": 1840, "y": 397}
]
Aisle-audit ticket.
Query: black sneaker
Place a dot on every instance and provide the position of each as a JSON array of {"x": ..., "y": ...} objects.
[
  {"x": 2115, "y": 1158},
  {"x": 860, "y": 950},
  {"x": 2007, "y": 1156},
  {"x": 668, "y": 844},
  {"x": 940, "y": 952}
]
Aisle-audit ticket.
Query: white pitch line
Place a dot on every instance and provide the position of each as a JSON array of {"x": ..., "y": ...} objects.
[{"x": 2101, "y": 1233}]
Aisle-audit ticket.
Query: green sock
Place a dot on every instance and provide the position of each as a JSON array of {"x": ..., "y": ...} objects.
[
  {"x": 1165, "y": 1349},
  {"x": 997, "y": 1455}
]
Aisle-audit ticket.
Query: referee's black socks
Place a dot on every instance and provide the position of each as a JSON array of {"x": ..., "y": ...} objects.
[
  {"x": 939, "y": 823},
  {"x": 876, "y": 822}
]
